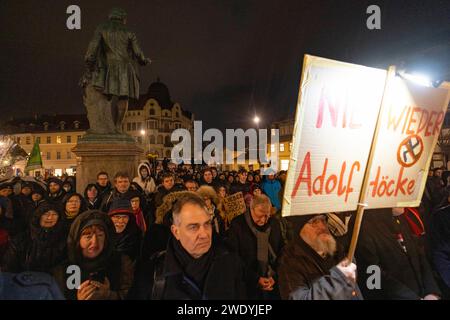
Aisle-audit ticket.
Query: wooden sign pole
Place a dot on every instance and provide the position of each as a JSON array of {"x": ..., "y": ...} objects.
[{"x": 362, "y": 196}]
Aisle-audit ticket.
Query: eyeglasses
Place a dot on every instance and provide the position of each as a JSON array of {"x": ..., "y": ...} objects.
[
  {"x": 50, "y": 214},
  {"x": 117, "y": 217}
]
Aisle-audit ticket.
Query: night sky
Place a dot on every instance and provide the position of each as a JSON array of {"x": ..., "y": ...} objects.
[{"x": 224, "y": 60}]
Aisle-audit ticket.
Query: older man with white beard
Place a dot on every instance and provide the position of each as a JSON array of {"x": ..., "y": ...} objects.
[{"x": 311, "y": 266}]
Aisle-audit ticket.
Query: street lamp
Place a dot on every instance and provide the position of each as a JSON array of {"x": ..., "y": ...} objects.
[
  {"x": 256, "y": 120},
  {"x": 143, "y": 132}
]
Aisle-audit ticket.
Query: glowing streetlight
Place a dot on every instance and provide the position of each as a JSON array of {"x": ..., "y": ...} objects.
[
  {"x": 143, "y": 132},
  {"x": 418, "y": 78},
  {"x": 256, "y": 119}
]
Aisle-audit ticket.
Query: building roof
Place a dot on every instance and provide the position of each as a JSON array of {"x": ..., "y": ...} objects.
[
  {"x": 36, "y": 123},
  {"x": 160, "y": 92}
]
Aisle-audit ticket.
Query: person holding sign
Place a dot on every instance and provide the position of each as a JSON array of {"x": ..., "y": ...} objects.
[
  {"x": 386, "y": 241},
  {"x": 311, "y": 267}
]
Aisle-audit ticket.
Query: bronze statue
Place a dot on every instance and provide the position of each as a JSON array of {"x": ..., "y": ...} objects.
[{"x": 112, "y": 59}]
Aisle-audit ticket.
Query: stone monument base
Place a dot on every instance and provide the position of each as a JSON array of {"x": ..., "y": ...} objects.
[{"x": 105, "y": 152}]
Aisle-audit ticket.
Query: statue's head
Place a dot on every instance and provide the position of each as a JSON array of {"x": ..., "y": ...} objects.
[{"x": 118, "y": 14}]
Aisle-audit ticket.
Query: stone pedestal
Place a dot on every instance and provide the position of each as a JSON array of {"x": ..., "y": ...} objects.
[{"x": 105, "y": 152}]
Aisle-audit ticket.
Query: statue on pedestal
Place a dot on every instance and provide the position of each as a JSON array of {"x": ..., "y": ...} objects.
[{"x": 112, "y": 78}]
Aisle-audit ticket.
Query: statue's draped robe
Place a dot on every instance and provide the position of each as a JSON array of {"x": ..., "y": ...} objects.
[{"x": 115, "y": 53}]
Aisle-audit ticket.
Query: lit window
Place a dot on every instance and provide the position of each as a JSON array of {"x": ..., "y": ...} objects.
[
  {"x": 281, "y": 147},
  {"x": 284, "y": 164},
  {"x": 78, "y": 138},
  {"x": 58, "y": 139}
]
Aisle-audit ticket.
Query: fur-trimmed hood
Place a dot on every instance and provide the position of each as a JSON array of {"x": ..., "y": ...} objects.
[{"x": 168, "y": 202}]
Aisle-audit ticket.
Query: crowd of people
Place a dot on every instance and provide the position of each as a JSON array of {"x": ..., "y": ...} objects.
[{"x": 166, "y": 234}]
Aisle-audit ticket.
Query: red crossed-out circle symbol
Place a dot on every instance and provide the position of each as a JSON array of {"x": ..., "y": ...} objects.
[{"x": 410, "y": 150}]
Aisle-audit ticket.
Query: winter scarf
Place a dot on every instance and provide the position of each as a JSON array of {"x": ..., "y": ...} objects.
[
  {"x": 140, "y": 220},
  {"x": 194, "y": 269},
  {"x": 262, "y": 244}
]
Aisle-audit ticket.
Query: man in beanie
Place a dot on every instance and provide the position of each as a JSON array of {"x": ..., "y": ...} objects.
[
  {"x": 128, "y": 235},
  {"x": 56, "y": 192},
  {"x": 311, "y": 267},
  {"x": 38, "y": 195}
]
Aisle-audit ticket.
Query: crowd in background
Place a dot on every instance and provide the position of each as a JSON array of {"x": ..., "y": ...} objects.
[{"x": 166, "y": 234}]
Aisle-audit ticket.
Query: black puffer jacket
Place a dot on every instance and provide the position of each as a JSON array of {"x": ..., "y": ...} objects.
[{"x": 37, "y": 249}]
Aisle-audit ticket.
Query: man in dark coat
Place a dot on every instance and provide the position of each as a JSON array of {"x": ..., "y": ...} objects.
[
  {"x": 167, "y": 186},
  {"x": 311, "y": 267},
  {"x": 121, "y": 190},
  {"x": 208, "y": 178},
  {"x": 258, "y": 240},
  {"x": 103, "y": 184},
  {"x": 386, "y": 241},
  {"x": 193, "y": 267},
  {"x": 56, "y": 192},
  {"x": 241, "y": 185}
]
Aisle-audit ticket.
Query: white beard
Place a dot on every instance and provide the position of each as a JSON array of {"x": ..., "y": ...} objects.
[{"x": 325, "y": 247}]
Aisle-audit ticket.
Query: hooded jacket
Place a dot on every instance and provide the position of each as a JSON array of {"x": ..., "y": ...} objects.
[
  {"x": 147, "y": 184},
  {"x": 117, "y": 268},
  {"x": 97, "y": 201},
  {"x": 272, "y": 188},
  {"x": 129, "y": 241},
  {"x": 69, "y": 220},
  {"x": 56, "y": 198},
  {"x": 37, "y": 249}
]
